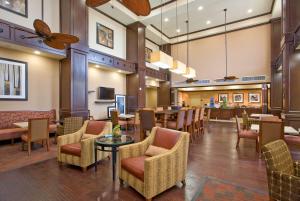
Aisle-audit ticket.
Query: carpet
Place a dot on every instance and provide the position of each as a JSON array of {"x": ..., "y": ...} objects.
[{"x": 213, "y": 189}]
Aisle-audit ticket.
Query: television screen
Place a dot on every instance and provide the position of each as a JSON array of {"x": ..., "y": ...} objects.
[{"x": 105, "y": 93}]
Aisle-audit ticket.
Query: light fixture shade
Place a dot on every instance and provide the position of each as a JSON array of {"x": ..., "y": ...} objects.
[
  {"x": 161, "y": 59},
  {"x": 178, "y": 67},
  {"x": 190, "y": 73}
]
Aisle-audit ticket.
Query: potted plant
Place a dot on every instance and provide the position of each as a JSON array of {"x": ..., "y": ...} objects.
[{"x": 116, "y": 131}]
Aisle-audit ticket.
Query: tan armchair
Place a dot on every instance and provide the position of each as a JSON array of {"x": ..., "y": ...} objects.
[
  {"x": 78, "y": 148},
  {"x": 283, "y": 173},
  {"x": 151, "y": 176}
]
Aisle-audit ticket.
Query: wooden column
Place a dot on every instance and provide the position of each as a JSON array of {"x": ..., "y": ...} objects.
[
  {"x": 291, "y": 65},
  {"x": 135, "y": 51},
  {"x": 74, "y": 68}
]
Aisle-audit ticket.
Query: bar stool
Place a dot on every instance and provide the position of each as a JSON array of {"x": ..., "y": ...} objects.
[
  {"x": 147, "y": 122},
  {"x": 188, "y": 121},
  {"x": 179, "y": 123},
  {"x": 196, "y": 129}
]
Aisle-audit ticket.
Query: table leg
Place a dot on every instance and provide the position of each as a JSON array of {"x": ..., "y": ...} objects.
[
  {"x": 96, "y": 151},
  {"x": 114, "y": 156}
]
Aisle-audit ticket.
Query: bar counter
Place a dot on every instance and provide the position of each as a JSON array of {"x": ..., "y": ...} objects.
[{"x": 229, "y": 113}]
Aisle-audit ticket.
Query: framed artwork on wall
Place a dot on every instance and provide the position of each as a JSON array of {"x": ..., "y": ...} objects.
[
  {"x": 148, "y": 52},
  {"x": 238, "y": 98},
  {"x": 109, "y": 109},
  {"x": 19, "y": 7},
  {"x": 13, "y": 80},
  {"x": 105, "y": 36},
  {"x": 223, "y": 98},
  {"x": 254, "y": 97},
  {"x": 121, "y": 103}
]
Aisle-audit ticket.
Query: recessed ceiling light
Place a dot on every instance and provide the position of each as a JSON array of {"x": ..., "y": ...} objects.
[
  {"x": 97, "y": 66},
  {"x": 200, "y": 8},
  {"x": 119, "y": 71},
  {"x": 177, "y": 30},
  {"x": 208, "y": 22},
  {"x": 7, "y": 2},
  {"x": 166, "y": 19},
  {"x": 250, "y": 11},
  {"x": 37, "y": 52}
]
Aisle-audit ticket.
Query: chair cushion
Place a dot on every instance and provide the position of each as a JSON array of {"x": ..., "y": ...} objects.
[
  {"x": 171, "y": 124},
  {"x": 248, "y": 134},
  {"x": 71, "y": 149},
  {"x": 134, "y": 166},
  {"x": 11, "y": 133},
  {"x": 154, "y": 150},
  {"x": 290, "y": 139},
  {"x": 165, "y": 138},
  {"x": 95, "y": 127}
]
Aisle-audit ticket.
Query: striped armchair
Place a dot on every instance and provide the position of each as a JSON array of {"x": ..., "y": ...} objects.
[
  {"x": 78, "y": 148},
  {"x": 151, "y": 176},
  {"x": 283, "y": 173}
]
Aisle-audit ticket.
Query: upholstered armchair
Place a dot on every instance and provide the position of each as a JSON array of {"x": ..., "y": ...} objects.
[
  {"x": 78, "y": 148},
  {"x": 152, "y": 175},
  {"x": 71, "y": 125},
  {"x": 283, "y": 173}
]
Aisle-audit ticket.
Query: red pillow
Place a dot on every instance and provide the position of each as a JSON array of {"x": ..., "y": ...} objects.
[
  {"x": 95, "y": 127},
  {"x": 166, "y": 138}
]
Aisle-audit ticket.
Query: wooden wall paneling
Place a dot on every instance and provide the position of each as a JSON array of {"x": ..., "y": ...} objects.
[
  {"x": 164, "y": 94},
  {"x": 276, "y": 34},
  {"x": 73, "y": 72},
  {"x": 265, "y": 98}
]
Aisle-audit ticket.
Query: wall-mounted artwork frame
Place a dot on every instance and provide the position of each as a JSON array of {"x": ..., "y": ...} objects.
[
  {"x": 105, "y": 36},
  {"x": 109, "y": 109},
  {"x": 223, "y": 98},
  {"x": 19, "y": 7},
  {"x": 148, "y": 52},
  {"x": 121, "y": 103},
  {"x": 238, "y": 98},
  {"x": 13, "y": 80},
  {"x": 254, "y": 97}
]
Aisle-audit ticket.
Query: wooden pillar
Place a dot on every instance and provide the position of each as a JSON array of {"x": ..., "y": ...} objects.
[
  {"x": 135, "y": 51},
  {"x": 291, "y": 66},
  {"x": 74, "y": 68},
  {"x": 265, "y": 98}
]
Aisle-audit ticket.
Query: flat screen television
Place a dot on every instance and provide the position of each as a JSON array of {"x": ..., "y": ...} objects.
[{"x": 105, "y": 93}]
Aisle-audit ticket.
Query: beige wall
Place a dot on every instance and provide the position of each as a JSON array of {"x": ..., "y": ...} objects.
[
  {"x": 43, "y": 82},
  {"x": 100, "y": 77},
  {"x": 248, "y": 54},
  {"x": 151, "y": 97},
  {"x": 203, "y": 97}
]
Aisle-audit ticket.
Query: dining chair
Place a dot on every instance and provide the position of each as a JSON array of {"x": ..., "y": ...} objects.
[
  {"x": 70, "y": 125},
  {"x": 147, "y": 122},
  {"x": 247, "y": 121},
  {"x": 116, "y": 121},
  {"x": 207, "y": 117},
  {"x": 188, "y": 121},
  {"x": 245, "y": 133},
  {"x": 135, "y": 122},
  {"x": 196, "y": 128},
  {"x": 270, "y": 129},
  {"x": 178, "y": 124},
  {"x": 38, "y": 131},
  {"x": 201, "y": 120}
]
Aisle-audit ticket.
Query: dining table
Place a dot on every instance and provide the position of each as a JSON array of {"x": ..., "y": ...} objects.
[
  {"x": 21, "y": 124},
  {"x": 259, "y": 116},
  {"x": 165, "y": 114},
  {"x": 288, "y": 130}
]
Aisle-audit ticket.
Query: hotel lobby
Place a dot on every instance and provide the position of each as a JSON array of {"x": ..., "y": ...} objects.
[{"x": 167, "y": 100}]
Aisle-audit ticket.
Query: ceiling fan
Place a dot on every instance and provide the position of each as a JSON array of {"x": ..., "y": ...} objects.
[
  {"x": 139, "y": 7},
  {"x": 226, "y": 77},
  {"x": 54, "y": 40}
]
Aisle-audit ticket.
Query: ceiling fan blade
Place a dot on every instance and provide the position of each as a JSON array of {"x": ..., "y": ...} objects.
[
  {"x": 64, "y": 38},
  {"x": 230, "y": 78},
  {"x": 95, "y": 3},
  {"x": 139, "y": 7},
  {"x": 41, "y": 28},
  {"x": 55, "y": 44}
]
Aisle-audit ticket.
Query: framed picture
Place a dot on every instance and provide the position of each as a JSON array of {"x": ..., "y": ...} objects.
[
  {"x": 148, "y": 52},
  {"x": 121, "y": 103},
  {"x": 254, "y": 97},
  {"x": 105, "y": 36},
  {"x": 13, "y": 80},
  {"x": 223, "y": 98},
  {"x": 238, "y": 98},
  {"x": 19, "y": 7},
  {"x": 109, "y": 109}
]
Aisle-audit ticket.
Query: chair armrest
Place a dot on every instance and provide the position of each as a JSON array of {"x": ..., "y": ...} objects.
[
  {"x": 297, "y": 168},
  {"x": 87, "y": 151},
  {"x": 69, "y": 138}
]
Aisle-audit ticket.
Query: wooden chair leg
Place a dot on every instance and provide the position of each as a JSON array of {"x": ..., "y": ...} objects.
[
  {"x": 150, "y": 199},
  {"x": 84, "y": 169},
  {"x": 47, "y": 144},
  {"x": 237, "y": 143},
  {"x": 29, "y": 148}
]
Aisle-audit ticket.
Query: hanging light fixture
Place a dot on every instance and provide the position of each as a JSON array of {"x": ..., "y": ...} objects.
[
  {"x": 178, "y": 67},
  {"x": 159, "y": 58},
  {"x": 190, "y": 72}
]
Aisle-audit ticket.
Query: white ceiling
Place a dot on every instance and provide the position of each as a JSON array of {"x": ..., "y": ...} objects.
[{"x": 212, "y": 11}]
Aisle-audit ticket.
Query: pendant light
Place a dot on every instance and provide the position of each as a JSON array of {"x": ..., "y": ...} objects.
[
  {"x": 159, "y": 58},
  {"x": 178, "y": 67},
  {"x": 190, "y": 72}
]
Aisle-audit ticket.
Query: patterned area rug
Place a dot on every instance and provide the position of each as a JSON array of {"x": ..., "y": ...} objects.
[{"x": 213, "y": 189}]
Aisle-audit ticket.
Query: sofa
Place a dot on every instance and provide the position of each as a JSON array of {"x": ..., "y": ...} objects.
[
  {"x": 154, "y": 174},
  {"x": 78, "y": 148},
  {"x": 7, "y": 119}
]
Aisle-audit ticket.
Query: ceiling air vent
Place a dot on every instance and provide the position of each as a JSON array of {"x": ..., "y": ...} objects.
[
  {"x": 253, "y": 78},
  {"x": 224, "y": 81},
  {"x": 202, "y": 82}
]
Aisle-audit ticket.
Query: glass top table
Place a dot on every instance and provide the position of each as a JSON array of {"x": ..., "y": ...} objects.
[{"x": 112, "y": 143}]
